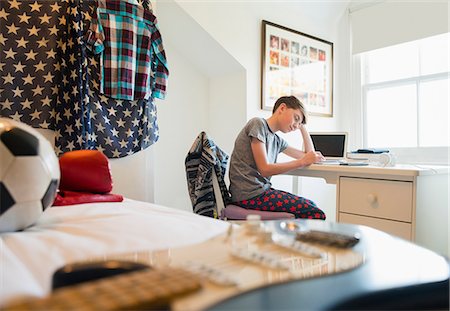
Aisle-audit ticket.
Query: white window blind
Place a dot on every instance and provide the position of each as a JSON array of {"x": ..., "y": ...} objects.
[
  {"x": 406, "y": 99},
  {"x": 392, "y": 22}
]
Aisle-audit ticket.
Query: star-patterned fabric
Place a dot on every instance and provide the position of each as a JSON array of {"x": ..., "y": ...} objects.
[{"x": 49, "y": 80}]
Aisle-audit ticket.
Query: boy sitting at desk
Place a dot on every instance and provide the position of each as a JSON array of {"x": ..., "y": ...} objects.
[{"x": 253, "y": 161}]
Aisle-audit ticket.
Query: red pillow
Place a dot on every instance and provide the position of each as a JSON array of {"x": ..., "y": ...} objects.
[
  {"x": 85, "y": 171},
  {"x": 71, "y": 198}
]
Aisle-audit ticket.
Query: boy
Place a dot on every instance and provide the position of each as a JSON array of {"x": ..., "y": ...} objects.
[{"x": 253, "y": 161}]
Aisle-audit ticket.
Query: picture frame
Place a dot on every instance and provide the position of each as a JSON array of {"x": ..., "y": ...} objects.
[{"x": 294, "y": 63}]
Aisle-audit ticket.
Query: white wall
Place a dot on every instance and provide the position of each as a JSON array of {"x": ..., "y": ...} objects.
[
  {"x": 132, "y": 175},
  {"x": 206, "y": 90},
  {"x": 420, "y": 19},
  {"x": 227, "y": 114},
  {"x": 181, "y": 117}
]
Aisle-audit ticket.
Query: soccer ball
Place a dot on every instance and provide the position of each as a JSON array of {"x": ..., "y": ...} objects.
[{"x": 29, "y": 175}]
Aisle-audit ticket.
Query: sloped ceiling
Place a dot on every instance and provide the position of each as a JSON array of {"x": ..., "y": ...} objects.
[{"x": 190, "y": 39}]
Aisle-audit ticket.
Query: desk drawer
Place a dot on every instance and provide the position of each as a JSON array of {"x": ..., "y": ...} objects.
[
  {"x": 400, "y": 229},
  {"x": 375, "y": 197}
]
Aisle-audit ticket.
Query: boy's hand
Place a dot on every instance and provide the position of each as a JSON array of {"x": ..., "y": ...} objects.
[
  {"x": 320, "y": 157},
  {"x": 312, "y": 157}
]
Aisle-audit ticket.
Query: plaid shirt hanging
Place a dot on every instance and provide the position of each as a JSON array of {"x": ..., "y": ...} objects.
[
  {"x": 133, "y": 61},
  {"x": 49, "y": 81}
]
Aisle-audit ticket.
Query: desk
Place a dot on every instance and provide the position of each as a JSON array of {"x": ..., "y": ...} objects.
[
  {"x": 391, "y": 263},
  {"x": 409, "y": 201}
]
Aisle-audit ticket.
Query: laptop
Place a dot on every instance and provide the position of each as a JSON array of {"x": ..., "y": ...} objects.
[{"x": 333, "y": 146}]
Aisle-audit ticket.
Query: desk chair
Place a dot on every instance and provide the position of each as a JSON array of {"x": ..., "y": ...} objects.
[
  {"x": 209, "y": 197},
  {"x": 234, "y": 212}
]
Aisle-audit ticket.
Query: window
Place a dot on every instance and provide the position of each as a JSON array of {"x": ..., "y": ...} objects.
[{"x": 405, "y": 94}]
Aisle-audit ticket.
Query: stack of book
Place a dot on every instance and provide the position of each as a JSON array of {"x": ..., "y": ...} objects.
[{"x": 370, "y": 155}]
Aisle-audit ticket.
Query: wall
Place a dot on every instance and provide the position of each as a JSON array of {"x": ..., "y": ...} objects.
[
  {"x": 227, "y": 113},
  {"x": 132, "y": 175},
  {"x": 420, "y": 19},
  {"x": 206, "y": 93},
  {"x": 181, "y": 116}
]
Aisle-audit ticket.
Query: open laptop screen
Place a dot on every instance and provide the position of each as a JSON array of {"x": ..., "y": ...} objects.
[{"x": 331, "y": 145}]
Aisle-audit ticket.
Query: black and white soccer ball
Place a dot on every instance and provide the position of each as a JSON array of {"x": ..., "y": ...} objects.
[{"x": 29, "y": 175}]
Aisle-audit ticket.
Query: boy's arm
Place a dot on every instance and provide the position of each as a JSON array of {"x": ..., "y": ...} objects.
[
  {"x": 307, "y": 144},
  {"x": 294, "y": 152},
  {"x": 267, "y": 169}
]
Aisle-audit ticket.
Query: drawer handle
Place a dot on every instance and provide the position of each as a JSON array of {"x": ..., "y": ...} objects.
[{"x": 372, "y": 198}]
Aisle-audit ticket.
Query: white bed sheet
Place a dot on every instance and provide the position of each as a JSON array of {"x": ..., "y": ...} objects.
[{"x": 72, "y": 233}]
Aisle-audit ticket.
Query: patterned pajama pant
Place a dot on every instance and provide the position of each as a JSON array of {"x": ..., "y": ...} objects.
[{"x": 280, "y": 201}]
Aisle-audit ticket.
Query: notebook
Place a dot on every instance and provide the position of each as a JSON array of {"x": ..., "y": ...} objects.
[{"x": 333, "y": 147}]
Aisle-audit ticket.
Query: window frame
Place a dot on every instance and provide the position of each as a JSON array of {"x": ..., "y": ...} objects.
[{"x": 438, "y": 155}]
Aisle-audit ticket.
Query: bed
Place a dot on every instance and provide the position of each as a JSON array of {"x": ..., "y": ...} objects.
[
  {"x": 158, "y": 236},
  {"x": 73, "y": 233},
  {"x": 83, "y": 232}
]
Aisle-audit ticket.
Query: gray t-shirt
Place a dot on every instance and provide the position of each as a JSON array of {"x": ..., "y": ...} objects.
[{"x": 245, "y": 180}]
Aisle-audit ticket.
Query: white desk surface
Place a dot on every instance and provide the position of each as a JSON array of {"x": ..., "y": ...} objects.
[
  {"x": 406, "y": 172},
  {"x": 400, "y": 169}
]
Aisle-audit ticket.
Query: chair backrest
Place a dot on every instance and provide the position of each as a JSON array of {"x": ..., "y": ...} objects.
[
  {"x": 220, "y": 204},
  {"x": 215, "y": 202},
  {"x": 203, "y": 160}
]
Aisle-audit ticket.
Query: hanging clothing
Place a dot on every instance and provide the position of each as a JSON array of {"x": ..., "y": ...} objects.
[
  {"x": 51, "y": 81},
  {"x": 121, "y": 127},
  {"x": 133, "y": 61},
  {"x": 204, "y": 159},
  {"x": 73, "y": 125}
]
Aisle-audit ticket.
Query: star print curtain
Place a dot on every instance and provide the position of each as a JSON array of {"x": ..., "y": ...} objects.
[{"x": 49, "y": 80}]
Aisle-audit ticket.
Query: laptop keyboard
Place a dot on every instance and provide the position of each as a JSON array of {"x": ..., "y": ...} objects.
[
  {"x": 343, "y": 162},
  {"x": 331, "y": 162}
]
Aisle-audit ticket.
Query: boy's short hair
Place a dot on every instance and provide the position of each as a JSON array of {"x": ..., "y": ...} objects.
[{"x": 293, "y": 103}]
